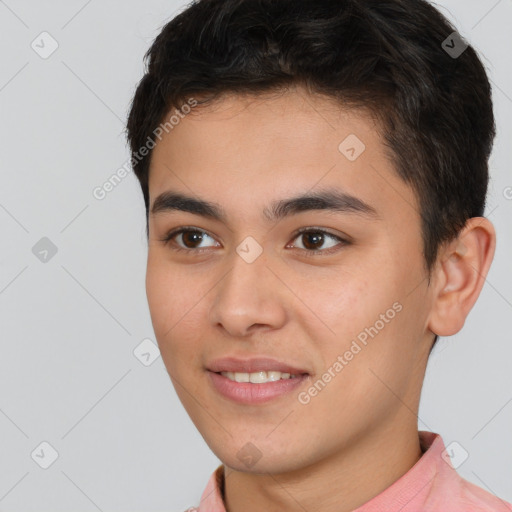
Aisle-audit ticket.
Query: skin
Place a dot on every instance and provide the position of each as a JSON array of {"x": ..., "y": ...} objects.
[{"x": 360, "y": 433}]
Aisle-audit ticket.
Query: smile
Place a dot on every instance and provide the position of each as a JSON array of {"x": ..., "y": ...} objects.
[
  {"x": 258, "y": 377},
  {"x": 256, "y": 387}
]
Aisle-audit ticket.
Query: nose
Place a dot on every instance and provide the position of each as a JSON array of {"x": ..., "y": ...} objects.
[{"x": 249, "y": 298}]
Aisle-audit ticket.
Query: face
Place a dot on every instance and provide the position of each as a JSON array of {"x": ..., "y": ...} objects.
[{"x": 343, "y": 306}]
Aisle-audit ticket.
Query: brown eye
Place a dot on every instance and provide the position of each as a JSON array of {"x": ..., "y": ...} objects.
[
  {"x": 191, "y": 239},
  {"x": 314, "y": 240}
]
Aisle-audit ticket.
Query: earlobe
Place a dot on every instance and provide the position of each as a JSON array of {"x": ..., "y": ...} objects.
[{"x": 462, "y": 267}]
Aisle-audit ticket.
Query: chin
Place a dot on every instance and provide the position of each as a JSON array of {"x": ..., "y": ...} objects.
[
  {"x": 257, "y": 457},
  {"x": 265, "y": 465}
]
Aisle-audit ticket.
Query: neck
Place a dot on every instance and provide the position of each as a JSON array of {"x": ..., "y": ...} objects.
[{"x": 341, "y": 483}]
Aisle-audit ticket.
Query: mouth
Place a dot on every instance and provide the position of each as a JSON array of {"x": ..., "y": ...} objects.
[
  {"x": 255, "y": 381},
  {"x": 260, "y": 377}
]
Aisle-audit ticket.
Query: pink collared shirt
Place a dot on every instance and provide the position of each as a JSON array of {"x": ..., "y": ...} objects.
[{"x": 431, "y": 485}]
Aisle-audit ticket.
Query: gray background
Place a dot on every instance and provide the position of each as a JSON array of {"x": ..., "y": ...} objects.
[{"x": 70, "y": 323}]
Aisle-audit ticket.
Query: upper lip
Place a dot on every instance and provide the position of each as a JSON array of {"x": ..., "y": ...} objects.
[{"x": 256, "y": 364}]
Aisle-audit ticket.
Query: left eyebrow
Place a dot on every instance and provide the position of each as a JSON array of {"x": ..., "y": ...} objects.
[{"x": 332, "y": 200}]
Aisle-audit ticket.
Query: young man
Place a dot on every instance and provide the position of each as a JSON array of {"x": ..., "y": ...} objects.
[{"x": 314, "y": 174}]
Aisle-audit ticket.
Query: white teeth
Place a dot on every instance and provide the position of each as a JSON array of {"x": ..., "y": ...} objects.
[{"x": 257, "y": 377}]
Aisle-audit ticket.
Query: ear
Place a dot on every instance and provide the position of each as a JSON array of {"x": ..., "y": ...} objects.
[{"x": 460, "y": 273}]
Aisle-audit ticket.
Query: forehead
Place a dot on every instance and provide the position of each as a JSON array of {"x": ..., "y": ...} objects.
[{"x": 241, "y": 150}]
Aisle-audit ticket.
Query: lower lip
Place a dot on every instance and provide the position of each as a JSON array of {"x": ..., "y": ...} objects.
[{"x": 249, "y": 393}]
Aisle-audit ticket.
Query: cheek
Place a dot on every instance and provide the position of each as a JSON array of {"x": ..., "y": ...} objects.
[
  {"x": 366, "y": 313},
  {"x": 174, "y": 304},
  {"x": 162, "y": 300},
  {"x": 344, "y": 303}
]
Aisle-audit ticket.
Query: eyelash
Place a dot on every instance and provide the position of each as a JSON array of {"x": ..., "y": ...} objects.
[{"x": 320, "y": 252}]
